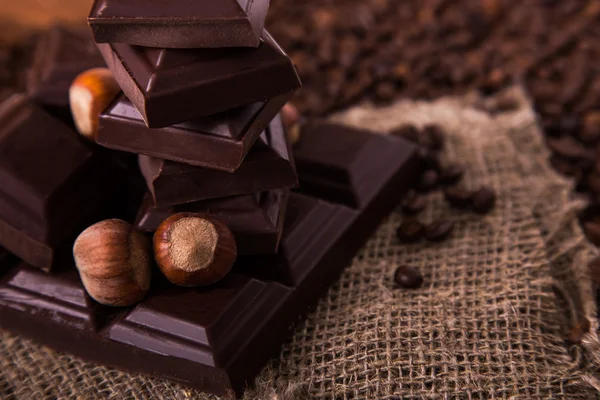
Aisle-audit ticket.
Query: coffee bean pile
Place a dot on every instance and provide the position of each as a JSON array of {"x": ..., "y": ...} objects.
[{"x": 436, "y": 175}]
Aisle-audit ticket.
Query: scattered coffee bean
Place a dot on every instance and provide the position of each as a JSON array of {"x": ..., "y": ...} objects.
[
  {"x": 568, "y": 147},
  {"x": 428, "y": 181},
  {"x": 439, "y": 230},
  {"x": 591, "y": 128},
  {"x": 592, "y": 232},
  {"x": 410, "y": 231},
  {"x": 594, "y": 271},
  {"x": 459, "y": 197},
  {"x": 433, "y": 137},
  {"x": 408, "y": 132},
  {"x": 578, "y": 331},
  {"x": 408, "y": 277},
  {"x": 484, "y": 200},
  {"x": 506, "y": 104},
  {"x": 451, "y": 174},
  {"x": 413, "y": 203},
  {"x": 430, "y": 160}
]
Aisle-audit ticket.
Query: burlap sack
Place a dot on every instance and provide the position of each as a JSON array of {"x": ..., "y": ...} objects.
[{"x": 489, "y": 322}]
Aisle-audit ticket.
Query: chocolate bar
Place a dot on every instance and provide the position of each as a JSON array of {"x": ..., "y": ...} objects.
[
  {"x": 59, "y": 56},
  {"x": 181, "y": 24},
  {"x": 52, "y": 183},
  {"x": 269, "y": 165},
  {"x": 330, "y": 160},
  {"x": 171, "y": 86},
  {"x": 215, "y": 338},
  {"x": 256, "y": 220},
  {"x": 219, "y": 141}
]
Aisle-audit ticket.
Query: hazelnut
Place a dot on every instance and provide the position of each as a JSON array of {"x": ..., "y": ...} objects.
[
  {"x": 291, "y": 122},
  {"x": 114, "y": 262},
  {"x": 90, "y": 93},
  {"x": 194, "y": 249}
]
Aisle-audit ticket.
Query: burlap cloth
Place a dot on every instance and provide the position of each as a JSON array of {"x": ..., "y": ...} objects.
[{"x": 489, "y": 322}]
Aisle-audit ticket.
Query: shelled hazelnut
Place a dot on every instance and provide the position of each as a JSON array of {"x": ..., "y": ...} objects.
[
  {"x": 194, "y": 249},
  {"x": 114, "y": 262},
  {"x": 90, "y": 93}
]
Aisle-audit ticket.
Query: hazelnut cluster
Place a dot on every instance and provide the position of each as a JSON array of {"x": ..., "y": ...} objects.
[{"x": 114, "y": 260}]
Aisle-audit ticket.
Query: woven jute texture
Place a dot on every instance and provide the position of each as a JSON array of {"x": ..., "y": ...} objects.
[{"x": 488, "y": 323}]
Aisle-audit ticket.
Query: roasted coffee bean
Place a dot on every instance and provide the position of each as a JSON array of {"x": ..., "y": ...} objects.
[
  {"x": 592, "y": 232},
  {"x": 459, "y": 197},
  {"x": 484, "y": 200},
  {"x": 408, "y": 132},
  {"x": 428, "y": 181},
  {"x": 568, "y": 147},
  {"x": 433, "y": 137},
  {"x": 408, "y": 277},
  {"x": 410, "y": 231},
  {"x": 590, "y": 132},
  {"x": 563, "y": 165},
  {"x": 413, "y": 203},
  {"x": 451, "y": 174},
  {"x": 385, "y": 92},
  {"x": 430, "y": 160},
  {"x": 594, "y": 271},
  {"x": 506, "y": 104},
  {"x": 439, "y": 230},
  {"x": 576, "y": 333}
]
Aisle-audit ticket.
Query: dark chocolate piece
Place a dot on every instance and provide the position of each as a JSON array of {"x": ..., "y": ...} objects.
[
  {"x": 269, "y": 165},
  {"x": 345, "y": 165},
  {"x": 52, "y": 183},
  {"x": 215, "y": 338},
  {"x": 180, "y": 23},
  {"x": 59, "y": 56},
  {"x": 219, "y": 141},
  {"x": 256, "y": 220},
  {"x": 172, "y": 86}
]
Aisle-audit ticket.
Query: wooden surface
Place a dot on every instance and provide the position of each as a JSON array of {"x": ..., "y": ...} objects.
[{"x": 17, "y": 17}]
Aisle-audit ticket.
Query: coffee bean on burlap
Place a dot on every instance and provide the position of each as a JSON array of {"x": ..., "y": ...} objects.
[
  {"x": 484, "y": 200},
  {"x": 430, "y": 160},
  {"x": 410, "y": 231},
  {"x": 592, "y": 232},
  {"x": 439, "y": 230},
  {"x": 408, "y": 132},
  {"x": 428, "y": 181},
  {"x": 408, "y": 277},
  {"x": 432, "y": 137},
  {"x": 413, "y": 203},
  {"x": 563, "y": 165},
  {"x": 594, "y": 271},
  {"x": 459, "y": 197},
  {"x": 568, "y": 147},
  {"x": 578, "y": 331},
  {"x": 385, "y": 92},
  {"x": 590, "y": 132},
  {"x": 451, "y": 174}
]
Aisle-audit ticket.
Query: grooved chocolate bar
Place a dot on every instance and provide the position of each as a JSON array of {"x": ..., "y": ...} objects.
[
  {"x": 214, "y": 338},
  {"x": 170, "y": 86},
  {"x": 268, "y": 165},
  {"x": 180, "y": 24},
  {"x": 256, "y": 220},
  {"x": 59, "y": 56},
  {"x": 219, "y": 141},
  {"x": 52, "y": 183}
]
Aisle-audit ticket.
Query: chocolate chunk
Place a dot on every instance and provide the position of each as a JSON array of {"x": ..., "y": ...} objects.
[
  {"x": 451, "y": 174},
  {"x": 53, "y": 185},
  {"x": 267, "y": 166},
  {"x": 484, "y": 200},
  {"x": 428, "y": 181},
  {"x": 578, "y": 331},
  {"x": 410, "y": 231},
  {"x": 408, "y": 132},
  {"x": 59, "y": 56},
  {"x": 220, "y": 141},
  {"x": 408, "y": 277},
  {"x": 329, "y": 155},
  {"x": 459, "y": 197},
  {"x": 170, "y": 86},
  {"x": 183, "y": 24},
  {"x": 439, "y": 230},
  {"x": 414, "y": 203}
]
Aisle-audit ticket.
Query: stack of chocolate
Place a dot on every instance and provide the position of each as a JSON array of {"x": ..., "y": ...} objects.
[
  {"x": 202, "y": 87},
  {"x": 202, "y": 84}
]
